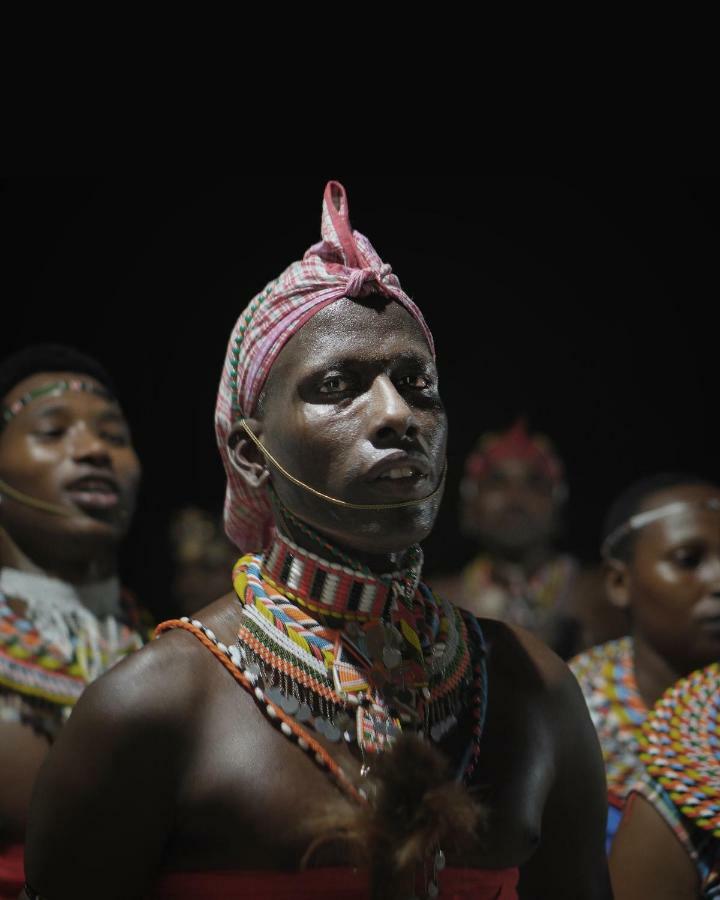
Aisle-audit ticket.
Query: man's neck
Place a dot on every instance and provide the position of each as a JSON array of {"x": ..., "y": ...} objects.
[
  {"x": 329, "y": 549},
  {"x": 78, "y": 572},
  {"x": 525, "y": 560}
]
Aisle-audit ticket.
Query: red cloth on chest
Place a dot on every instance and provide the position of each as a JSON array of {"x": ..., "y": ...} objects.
[
  {"x": 325, "y": 884},
  {"x": 12, "y": 871}
]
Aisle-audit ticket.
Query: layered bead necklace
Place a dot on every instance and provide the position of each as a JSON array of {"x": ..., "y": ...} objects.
[
  {"x": 331, "y": 648},
  {"x": 401, "y": 659}
]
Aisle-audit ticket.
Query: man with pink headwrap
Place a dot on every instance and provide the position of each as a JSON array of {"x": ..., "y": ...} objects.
[{"x": 324, "y": 730}]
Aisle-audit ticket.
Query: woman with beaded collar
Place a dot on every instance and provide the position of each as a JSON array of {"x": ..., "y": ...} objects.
[
  {"x": 668, "y": 843},
  {"x": 68, "y": 481},
  {"x": 333, "y": 437},
  {"x": 662, "y": 553}
]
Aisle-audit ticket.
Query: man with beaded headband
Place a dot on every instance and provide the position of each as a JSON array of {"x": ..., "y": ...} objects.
[
  {"x": 68, "y": 479},
  {"x": 331, "y": 728},
  {"x": 662, "y": 554}
]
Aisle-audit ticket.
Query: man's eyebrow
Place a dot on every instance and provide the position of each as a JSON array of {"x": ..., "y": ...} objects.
[
  {"x": 60, "y": 408},
  {"x": 340, "y": 362},
  {"x": 51, "y": 410}
]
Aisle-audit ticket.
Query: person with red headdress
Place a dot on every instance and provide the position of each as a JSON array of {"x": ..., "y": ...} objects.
[
  {"x": 511, "y": 496},
  {"x": 330, "y": 728}
]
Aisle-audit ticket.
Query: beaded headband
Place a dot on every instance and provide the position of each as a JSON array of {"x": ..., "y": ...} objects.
[
  {"x": 640, "y": 520},
  {"x": 51, "y": 389}
]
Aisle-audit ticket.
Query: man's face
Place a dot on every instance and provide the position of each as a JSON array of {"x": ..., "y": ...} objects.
[
  {"x": 674, "y": 579},
  {"x": 353, "y": 410},
  {"x": 512, "y": 507},
  {"x": 72, "y": 450}
]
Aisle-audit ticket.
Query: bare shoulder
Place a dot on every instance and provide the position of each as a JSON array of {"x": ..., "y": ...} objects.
[
  {"x": 127, "y": 747},
  {"x": 518, "y": 655},
  {"x": 163, "y": 684}
]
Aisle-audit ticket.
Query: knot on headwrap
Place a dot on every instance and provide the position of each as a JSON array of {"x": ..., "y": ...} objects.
[
  {"x": 360, "y": 277},
  {"x": 343, "y": 264}
]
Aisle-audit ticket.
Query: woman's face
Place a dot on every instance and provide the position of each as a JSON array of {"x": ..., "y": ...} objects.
[{"x": 673, "y": 578}]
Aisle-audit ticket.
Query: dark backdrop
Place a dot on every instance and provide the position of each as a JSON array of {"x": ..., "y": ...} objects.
[{"x": 588, "y": 303}]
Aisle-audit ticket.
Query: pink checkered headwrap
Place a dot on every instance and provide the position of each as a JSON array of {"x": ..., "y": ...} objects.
[{"x": 343, "y": 264}]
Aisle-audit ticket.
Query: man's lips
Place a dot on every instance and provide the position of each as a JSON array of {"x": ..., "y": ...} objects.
[
  {"x": 94, "y": 492},
  {"x": 710, "y": 623},
  {"x": 399, "y": 466}
]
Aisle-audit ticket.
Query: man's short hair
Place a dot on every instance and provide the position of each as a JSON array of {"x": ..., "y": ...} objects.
[{"x": 49, "y": 358}]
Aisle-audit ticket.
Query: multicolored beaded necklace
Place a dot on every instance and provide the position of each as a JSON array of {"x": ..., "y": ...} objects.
[
  {"x": 681, "y": 746},
  {"x": 606, "y": 675},
  {"x": 403, "y": 660}
]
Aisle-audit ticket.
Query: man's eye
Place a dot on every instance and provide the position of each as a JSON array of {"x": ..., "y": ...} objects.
[
  {"x": 414, "y": 381},
  {"x": 688, "y": 558},
  {"x": 116, "y": 439},
  {"x": 50, "y": 433},
  {"x": 335, "y": 384}
]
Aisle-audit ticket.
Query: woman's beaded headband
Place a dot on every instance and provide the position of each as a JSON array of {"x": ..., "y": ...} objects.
[{"x": 640, "y": 520}]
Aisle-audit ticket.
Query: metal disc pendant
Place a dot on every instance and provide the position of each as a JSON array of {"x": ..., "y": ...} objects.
[
  {"x": 328, "y": 730},
  {"x": 392, "y": 657},
  {"x": 275, "y": 695},
  {"x": 304, "y": 713},
  {"x": 290, "y": 704}
]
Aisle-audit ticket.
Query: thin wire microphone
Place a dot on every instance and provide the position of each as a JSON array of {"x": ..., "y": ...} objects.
[{"x": 344, "y": 503}]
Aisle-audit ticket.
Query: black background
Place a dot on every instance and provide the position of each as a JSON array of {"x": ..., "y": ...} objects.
[{"x": 588, "y": 303}]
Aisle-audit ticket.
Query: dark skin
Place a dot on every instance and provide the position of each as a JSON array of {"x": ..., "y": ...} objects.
[
  {"x": 59, "y": 449},
  {"x": 647, "y": 859},
  {"x": 671, "y": 584},
  {"x": 183, "y": 765}
]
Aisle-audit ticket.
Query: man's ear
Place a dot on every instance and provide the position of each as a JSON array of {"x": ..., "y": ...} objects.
[
  {"x": 617, "y": 583},
  {"x": 245, "y": 457}
]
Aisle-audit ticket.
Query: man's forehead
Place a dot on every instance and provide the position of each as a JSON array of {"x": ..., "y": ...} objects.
[{"x": 347, "y": 329}]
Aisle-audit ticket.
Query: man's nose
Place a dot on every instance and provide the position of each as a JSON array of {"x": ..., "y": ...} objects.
[
  {"x": 89, "y": 447},
  {"x": 392, "y": 417}
]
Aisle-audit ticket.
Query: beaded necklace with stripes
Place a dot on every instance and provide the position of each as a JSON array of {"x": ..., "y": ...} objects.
[{"x": 400, "y": 660}]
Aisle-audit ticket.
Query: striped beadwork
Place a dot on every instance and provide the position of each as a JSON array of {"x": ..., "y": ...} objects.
[
  {"x": 33, "y": 666},
  {"x": 606, "y": 675},
  {"x": 681, "y": 746},
  {"x": 326, "y": 587},
  {"x": 304, "y": 674}
]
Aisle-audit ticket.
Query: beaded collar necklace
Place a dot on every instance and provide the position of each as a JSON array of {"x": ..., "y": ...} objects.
[
  {"x": 420, "y": 666},
  {"x": 680, "y": 741},
  {"x": 346, "y": 591},
  {"x": 365, "y": 683}
]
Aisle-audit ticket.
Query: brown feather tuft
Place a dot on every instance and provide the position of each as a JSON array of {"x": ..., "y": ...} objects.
[{"x": 414, "y": 808}]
